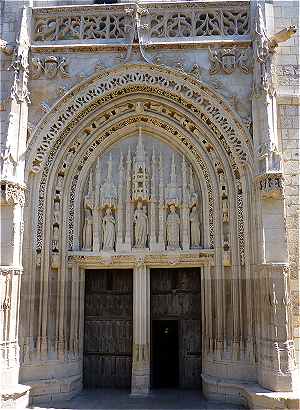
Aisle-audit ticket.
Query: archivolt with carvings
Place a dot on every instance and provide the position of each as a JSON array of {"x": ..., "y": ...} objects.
[{"x": 185, "y": 88}]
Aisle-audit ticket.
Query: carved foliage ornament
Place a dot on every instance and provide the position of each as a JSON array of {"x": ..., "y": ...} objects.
[
  {"x": 271, "y": 185},
  {"x": 49, "y": 67},
  {"x": 122, "y": 22},
  {"x": 227, "y": 60}
]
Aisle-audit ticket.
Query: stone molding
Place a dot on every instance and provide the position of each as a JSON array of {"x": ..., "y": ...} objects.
[
  {"x": 11, "y": 270},
  {"x": 163, "y": 259}
]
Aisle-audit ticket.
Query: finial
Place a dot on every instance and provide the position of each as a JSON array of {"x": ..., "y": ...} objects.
[{"x": 173, "y": 170}]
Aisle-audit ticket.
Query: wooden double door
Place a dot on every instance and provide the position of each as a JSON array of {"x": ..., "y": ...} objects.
[
  {"x": 175, "y": 328},
  {"x": 107, "y": 357}
]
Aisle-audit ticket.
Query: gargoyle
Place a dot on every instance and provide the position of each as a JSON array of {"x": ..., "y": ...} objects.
[{"x": 282, "y": 36}]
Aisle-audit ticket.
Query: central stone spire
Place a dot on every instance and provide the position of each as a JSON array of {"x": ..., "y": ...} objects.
[{"x": 140, "y": 176}]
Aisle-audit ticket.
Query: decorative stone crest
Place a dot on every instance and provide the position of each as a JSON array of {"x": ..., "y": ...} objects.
[
  {"x": 271, "y": 185},
  {"x": 50, "y": 67},
  {"x": 226, "y": 60}
]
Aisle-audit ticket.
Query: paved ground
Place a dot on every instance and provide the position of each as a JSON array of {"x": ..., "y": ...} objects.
[{"x": 120, "y": 400}]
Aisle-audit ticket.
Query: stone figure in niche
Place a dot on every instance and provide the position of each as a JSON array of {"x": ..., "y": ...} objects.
[
  {"x": 195, "y": 228},
  {"x": 225, "y": 209},
  {"x": 173, "y": 226},
  {"x": 108, "y": 225},
  {"x": 56, "y": 212},
  {"x": 59, "y": 183},
  {"x": 223, "y": 184},
  {"x": 140, "y": 221},
  {"x": 7, "y": 163},
  {"x": 87, "y": 228},
  {"x": 55, "y": 237}
]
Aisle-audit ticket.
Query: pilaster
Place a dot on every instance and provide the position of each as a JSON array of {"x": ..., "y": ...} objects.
[
  {"x": 141, "y": 330},
  {"x": 276, "y": 348},
  {"x": 12, "y": 201}
]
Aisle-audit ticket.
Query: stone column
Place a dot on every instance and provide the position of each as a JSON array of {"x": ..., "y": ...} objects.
[
  {"x": 140, "y": 383},
  {"x": 12, "y": 394}
]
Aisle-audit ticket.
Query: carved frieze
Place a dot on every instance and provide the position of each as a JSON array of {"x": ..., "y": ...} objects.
[
  {"x": 227, "y": 60},
  {"x": 49, "y": 67},
  {"x": 158, "y": 21}
]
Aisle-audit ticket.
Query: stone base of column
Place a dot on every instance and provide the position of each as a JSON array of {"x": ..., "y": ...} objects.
[
  {"x": 250, "y": 395},
  {"x": 140, "y": 382},
  {"x": 14, "y": 397},
  {"x": 278, "y": 382}
]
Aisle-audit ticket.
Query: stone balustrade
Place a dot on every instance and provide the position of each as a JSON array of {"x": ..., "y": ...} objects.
[{"x": 150, "y": 23}]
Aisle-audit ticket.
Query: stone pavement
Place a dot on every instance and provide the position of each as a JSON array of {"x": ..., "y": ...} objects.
[{"x": 105, "y": 399}]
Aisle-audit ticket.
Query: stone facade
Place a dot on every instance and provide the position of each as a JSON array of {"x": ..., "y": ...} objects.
[{"x": 151, "y": 135}]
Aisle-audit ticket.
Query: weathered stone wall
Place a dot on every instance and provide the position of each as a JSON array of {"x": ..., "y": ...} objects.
[{"x": 286, "y": 13}]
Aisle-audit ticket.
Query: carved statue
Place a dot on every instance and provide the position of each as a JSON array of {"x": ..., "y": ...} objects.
[
  {"x": 87, "y": 227},
  {"x": 108, "y": 224},
  {"x": 55, "y": 237},
  {"x": 56, "y": 212},
  {"x": 225, "y": 209},
  {"x": 173, "y": 226},
  {"x": 195, "y": 228},
  {"x": 140, "y": 220}
]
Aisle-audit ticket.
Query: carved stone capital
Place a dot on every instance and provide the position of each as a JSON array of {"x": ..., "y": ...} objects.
[
  {"x": 270, "y": 185},
  {"x": 13, "y": 193}
]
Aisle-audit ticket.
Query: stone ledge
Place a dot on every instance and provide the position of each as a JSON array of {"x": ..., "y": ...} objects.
[
  {"x": 249, "y": 394},
  {"x": 55, "y": 389}
]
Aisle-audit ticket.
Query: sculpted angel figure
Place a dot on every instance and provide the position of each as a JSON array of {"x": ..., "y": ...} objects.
[
  {"x": 195, "y": 228},
  {"x": 109, "y": 232},
  {"x": 140, "y": 221},
  {"x": 173, "y": 226}
]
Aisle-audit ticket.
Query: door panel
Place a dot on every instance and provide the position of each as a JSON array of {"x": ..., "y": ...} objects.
[
  {"x": 175, "y": 294},
  {"x": 108, "y": 328}
]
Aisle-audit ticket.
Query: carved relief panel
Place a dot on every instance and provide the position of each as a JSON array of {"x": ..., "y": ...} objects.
[{"x": 141, "y": 195}]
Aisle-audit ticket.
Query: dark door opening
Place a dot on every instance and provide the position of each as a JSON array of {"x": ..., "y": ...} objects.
[
  {"x": 176, "y": 304},
  {"x": 165, "y": 361}
]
